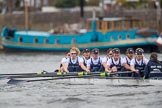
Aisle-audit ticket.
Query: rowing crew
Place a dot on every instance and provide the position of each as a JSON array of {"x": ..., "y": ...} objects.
[{"x": 91, "y": 61}]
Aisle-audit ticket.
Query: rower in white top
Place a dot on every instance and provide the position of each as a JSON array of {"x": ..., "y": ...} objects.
[
  {"x": 138, "y": 63},
  {"x": 106, "y": 58},
  {"x": 129, "y": 56},
  {"x": 94, "y": 63},
  {"x": 116, "y": 62},
  {"x": 63, "y": 61},
  {"x": 84, "y": 59},
  {"x": 72, "y": 64}
]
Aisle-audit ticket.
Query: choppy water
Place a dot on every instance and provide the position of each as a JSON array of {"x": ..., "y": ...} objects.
[{"x": 66, "y": 93}]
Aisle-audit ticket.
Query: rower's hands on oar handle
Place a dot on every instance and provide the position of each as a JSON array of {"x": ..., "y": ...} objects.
[
  {"x": 136, "y": 71},
  {"x": 114, "y": 69},
  {"x": 87, "y": 70}
]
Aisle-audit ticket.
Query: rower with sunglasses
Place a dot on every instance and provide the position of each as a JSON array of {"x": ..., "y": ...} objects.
[
  {"x": 116, "y": 62},
  {"x": 129, "y": 56},
  {"x": 106, "y": 58},
  {"x": 72, "y": 65},
  {"x": 94, "y": 63},
  {"x": 84, "y": 59},
  {"x": 138, "y": 63}
]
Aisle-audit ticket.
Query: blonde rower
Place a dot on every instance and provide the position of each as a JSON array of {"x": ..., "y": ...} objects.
[{"x": 72, "y": 64}]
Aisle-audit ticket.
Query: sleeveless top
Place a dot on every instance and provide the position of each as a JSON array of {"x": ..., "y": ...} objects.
[
  {"x": 74, "y": 67},
  {"x": 118, "y": 66},
  {"x": 139, "y": 66}
]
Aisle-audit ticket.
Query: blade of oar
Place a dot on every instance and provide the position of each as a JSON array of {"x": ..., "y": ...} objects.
[{"x": 37, "y": 73}]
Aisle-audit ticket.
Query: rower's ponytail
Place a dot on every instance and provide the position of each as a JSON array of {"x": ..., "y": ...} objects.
[{"x": 154, "y": 57}]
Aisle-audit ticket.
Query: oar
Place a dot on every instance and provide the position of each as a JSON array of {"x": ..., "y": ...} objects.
[
  {"x": 48, "y": 74},
  {"x": 15, "y": 80},
  {"x": 38, "y": 73},
  {"x": 43, "y": 73}
]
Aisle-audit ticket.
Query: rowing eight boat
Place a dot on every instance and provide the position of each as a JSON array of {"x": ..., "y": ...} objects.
[{"x": 44, "y": 76}]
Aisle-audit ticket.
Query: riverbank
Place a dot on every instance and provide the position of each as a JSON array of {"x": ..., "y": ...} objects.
[{"x": 47, "y": 21}]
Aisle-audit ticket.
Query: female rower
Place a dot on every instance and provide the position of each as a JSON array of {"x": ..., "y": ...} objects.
[
  {"x": 129, "y": 56},
  {"x": 106, "y": 58},
  {"x": 138, "y": 63},
  {"x": 72, "y": 64},
  {"x": 94, "y": 63},
  {"x": 153, "y": 65},
  {"x": 63, "y": 61},
  {"x": 116, "y": 62},
  {"x": 84, "y": 59}
]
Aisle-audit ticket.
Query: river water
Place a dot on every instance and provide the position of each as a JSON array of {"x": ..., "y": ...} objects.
[{"x": 67, "y": 93}]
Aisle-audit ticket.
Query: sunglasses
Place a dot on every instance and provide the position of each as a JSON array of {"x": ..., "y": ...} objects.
[
  {"x": 110, "y": 54},
  {"x": 95, "y": 53},
  {"x": 68, "y": 54},
  {"x": 130, "y": 53},
  {"x": 116, "y": 53},
  {"x": 73, "y": 53},
  {"x": 139, "y": 54}
]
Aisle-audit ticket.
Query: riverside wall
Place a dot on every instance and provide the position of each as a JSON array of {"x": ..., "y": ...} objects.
[{"x": 46, "y": 21}]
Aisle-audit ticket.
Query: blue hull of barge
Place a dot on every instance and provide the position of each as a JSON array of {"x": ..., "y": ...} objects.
[{"x": 44, "y": 41}]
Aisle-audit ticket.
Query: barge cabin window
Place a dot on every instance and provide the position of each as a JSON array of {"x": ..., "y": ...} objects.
[
  {"x": 35, "y": 40},
  {"x": 46, "y": 41},
  {"x": 73, "y": 41},
  {"x": 20, "y": 39},
  {"x": 110, "y": 24},
  {"x": 57, "y": 41}
]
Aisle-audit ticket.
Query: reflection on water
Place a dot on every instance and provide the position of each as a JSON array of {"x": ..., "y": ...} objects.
[{"x": 69, "y": 93}]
